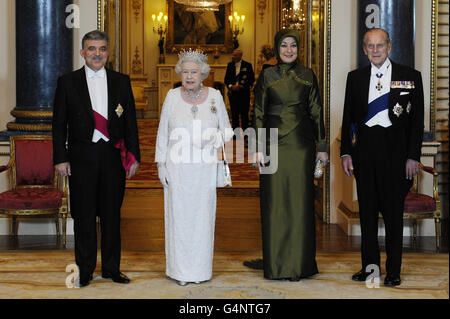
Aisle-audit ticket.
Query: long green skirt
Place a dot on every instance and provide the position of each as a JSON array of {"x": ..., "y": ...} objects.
[{"x": 287, "y": 211}]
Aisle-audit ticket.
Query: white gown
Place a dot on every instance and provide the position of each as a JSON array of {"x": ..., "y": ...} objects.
[{"x": 190, "y": 198}]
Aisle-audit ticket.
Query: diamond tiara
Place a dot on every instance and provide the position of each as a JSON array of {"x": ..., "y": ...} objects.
[{"x": 196, "y": 55}]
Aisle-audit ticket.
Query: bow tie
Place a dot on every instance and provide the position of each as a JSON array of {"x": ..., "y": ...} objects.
[{"x": 99, "y": 74}]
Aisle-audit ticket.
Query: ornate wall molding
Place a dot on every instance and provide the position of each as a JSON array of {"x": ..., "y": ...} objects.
[
  {"x": 261, "y": 5},
  {"x": 137, "y": 64},
  {"x": 137, "y": 9}
]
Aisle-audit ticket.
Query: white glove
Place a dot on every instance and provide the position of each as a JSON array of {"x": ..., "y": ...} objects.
[{"x": 163, "y": 175}]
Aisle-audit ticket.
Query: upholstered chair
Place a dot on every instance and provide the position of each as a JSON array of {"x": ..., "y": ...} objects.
[{"x": 35, "y": 190}]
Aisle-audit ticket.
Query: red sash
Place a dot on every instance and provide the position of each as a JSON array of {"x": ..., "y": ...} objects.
[{"x": 101, "y": 124}]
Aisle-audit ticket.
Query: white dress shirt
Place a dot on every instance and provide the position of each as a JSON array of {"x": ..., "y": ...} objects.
[
  {"x": 98, "y": 92},
  {"x": 381, "y": 118},
  {"x": 238, "y": 67}
]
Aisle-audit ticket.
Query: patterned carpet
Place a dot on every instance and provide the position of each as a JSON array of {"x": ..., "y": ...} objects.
[
  {"x": 243, "y": 175},
  {"x": 43, "y": 275}
]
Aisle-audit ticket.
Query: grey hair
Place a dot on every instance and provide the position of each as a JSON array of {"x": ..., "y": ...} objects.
[
  {"x": 204, "y": 67},
  {"x": 388, "y": 38},
  {"x": 95, "y": 35}
]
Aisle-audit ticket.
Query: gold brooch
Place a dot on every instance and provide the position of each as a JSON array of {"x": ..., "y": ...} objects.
[
  {"x": 213, "y": 106},
  {"x": 408, "y": 107},
  {"x": 119, "y": 110}
]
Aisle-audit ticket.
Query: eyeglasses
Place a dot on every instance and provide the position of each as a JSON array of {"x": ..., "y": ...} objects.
[{"x": 378, "y": 46}]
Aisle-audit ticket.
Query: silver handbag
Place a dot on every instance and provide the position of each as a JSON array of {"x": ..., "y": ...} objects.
[
  {"x": 223, "y": 171},
  {"x": 319, "y": 169}
]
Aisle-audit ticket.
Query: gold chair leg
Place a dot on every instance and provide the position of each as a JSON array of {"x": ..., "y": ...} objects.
[
  {"x": 58, "y": 232},
  {"x": 64, "y": 228},
  {"x": 437, "y": 225}
]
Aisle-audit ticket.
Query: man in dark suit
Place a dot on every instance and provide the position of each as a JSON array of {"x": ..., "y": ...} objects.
[
  {"x": 382, "y": 130},
  {"x": 239, "y": 79},
  {"x": 94, "y": 111}
]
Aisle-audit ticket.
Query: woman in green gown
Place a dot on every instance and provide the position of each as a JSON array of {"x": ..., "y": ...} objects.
[{"x": 287, "y": 98}]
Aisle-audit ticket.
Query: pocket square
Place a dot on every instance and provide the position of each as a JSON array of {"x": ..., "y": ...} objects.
[{"x": 404, "y": 93}]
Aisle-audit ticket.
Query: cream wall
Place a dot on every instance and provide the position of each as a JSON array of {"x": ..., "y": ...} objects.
[
  {"x": 7, "y": 61},
  {"x": 7, "y": 80}
]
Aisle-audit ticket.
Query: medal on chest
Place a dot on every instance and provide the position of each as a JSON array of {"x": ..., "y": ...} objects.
[{"x": 379, "y": 86}]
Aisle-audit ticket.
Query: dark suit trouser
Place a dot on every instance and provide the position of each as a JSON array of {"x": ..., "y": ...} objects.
[
  {"x": 240, "y": 106},
  {"x": 381, "y": 187},
  {"x": 97, "y": 185}
]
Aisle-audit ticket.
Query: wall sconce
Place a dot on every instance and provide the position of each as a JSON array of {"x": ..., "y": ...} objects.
[
  {"x": 160, "y": 28},
  {"x": 236, "y": 27}
]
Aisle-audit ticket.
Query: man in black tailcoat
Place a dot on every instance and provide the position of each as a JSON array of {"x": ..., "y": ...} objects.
[
  {"x": 94, "y": 112},
  {"x": 382, "y": 131},
  {"x": 239, "y": 79}
]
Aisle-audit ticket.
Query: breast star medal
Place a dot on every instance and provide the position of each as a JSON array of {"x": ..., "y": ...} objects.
[
  {"x": 398, "y": 109},
  {"x": 408, "y": 107},
  {"x": 119, "y": 110}
]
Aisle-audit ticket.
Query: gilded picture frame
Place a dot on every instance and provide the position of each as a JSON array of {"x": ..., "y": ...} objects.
[
  {"x": 208, "y": 30},
  {"x": 109, "y": 21}
]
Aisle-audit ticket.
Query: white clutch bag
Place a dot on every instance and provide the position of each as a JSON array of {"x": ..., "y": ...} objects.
[{"x": 223, "y": 171}]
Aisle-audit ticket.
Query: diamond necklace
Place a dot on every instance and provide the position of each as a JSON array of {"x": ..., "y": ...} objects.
[{"x": 193, "y": 97}]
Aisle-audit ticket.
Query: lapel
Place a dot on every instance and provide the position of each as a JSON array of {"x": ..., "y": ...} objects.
[
  {"x": 365, "y": 82},
  {"x": 113, "y": 92},
  {"x": 83, "y": 91}
]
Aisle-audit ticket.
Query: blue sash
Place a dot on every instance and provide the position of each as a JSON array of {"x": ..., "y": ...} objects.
[{"x": 376, "y": 106}]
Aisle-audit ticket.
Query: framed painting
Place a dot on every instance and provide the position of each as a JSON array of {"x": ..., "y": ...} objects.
[{"x": 205, "y": 30}]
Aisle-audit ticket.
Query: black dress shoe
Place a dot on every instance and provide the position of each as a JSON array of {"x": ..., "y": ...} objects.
[
  {"x": 118, "y": 277},
  {"x": 85, "y": 280},
  {"x": 392, "y": 281},
  {"x": 360, "y": 275},
  {"x": 254, "y": 264}
]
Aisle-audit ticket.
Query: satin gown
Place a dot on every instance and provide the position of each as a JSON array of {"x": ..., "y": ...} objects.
[{"x": 287, "y": 98}]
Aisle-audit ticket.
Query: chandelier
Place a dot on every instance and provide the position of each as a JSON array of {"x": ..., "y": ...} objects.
[
  {"x": 293, "y": 16},
  {"x": 202, "y": 5}
]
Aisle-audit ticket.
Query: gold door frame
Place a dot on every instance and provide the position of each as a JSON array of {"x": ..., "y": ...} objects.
[{"x": 108, "y": 10}]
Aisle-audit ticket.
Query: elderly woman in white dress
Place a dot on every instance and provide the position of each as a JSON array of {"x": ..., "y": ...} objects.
[{"x": 194, "y": 124}]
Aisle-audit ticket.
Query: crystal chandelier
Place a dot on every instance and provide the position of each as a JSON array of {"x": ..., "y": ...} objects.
[
  {"x": 202, "y": 5},
  {"x": 293, "y": 16}
]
